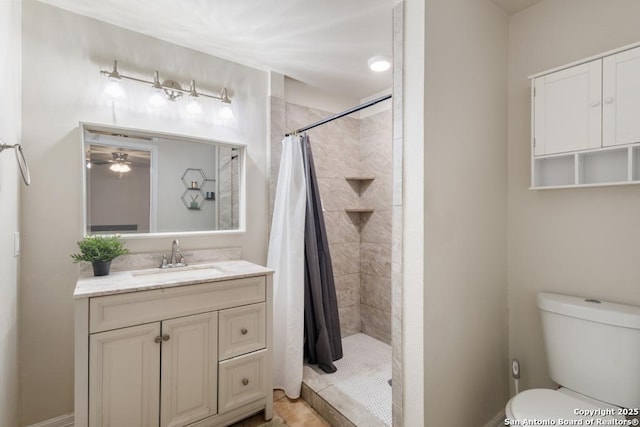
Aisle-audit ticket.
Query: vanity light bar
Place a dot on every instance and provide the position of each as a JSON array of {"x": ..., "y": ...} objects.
[{"x": 172, "y": 89}]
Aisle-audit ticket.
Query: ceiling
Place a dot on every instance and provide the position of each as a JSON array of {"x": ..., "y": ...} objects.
[{"x": 325, "y": 43}]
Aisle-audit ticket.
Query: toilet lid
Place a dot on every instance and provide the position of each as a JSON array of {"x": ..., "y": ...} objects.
[{"x": 546, "y": 404}]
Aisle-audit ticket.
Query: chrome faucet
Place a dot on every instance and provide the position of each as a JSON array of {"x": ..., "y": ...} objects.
[
  {"x": 176, "y": 260},
  {"x": 175, "y": 249}
]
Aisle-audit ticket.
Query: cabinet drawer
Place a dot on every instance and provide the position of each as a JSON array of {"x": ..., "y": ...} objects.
[
  {"x": 135, "y": 308},
  {"x": 243, "y": 380},
  {"x": 242, "y": 330}
]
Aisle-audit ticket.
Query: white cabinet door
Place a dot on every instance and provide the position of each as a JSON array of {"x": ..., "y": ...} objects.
[
  {"x": 124, "y": 385},
  {"x": 568, "y": 109},
  {"x": 189, "y": 369},
  {"x": 621, "y": 96}
]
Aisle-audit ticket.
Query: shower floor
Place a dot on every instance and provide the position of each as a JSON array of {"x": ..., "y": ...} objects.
[{"x": 359, "y": 390}]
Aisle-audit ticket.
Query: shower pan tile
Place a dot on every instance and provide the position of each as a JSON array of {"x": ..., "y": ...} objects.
[
  {"x": 344, "y": 402},
  {"x": 359, "y": 389}
]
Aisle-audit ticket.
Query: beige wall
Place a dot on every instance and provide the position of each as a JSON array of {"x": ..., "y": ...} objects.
[
  {"x": 10, "y": 42},
  {"x": 465, "y": 177},
  {"x": 578, "y": 241},
  {"x": 62, "y": 54}
]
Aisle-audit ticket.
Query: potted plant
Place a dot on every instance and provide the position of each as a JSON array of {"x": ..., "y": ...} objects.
[{"x": 100, "y": 251}]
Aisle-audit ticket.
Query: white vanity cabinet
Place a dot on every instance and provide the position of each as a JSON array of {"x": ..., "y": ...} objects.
[
  {"x": 173, "y": 353},
  {"x": 585, "y": 126}
]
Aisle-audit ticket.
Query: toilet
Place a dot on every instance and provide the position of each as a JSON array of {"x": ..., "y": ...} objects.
[{"x": 593, "y": 353}]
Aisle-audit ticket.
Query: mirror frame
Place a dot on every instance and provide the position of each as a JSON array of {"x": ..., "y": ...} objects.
[{"x": 87, "y": 126}]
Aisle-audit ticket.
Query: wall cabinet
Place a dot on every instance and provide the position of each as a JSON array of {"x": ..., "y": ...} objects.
[
  {"x": 585, "y": 130},
  {"x": 567, "y": 109},
  {"x": 155, "y": 358}
]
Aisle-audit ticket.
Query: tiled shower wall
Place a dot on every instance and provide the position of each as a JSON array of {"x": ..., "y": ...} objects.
[
  {"x": 360, "y": 244},
  {"x": 375, "y": 228}
]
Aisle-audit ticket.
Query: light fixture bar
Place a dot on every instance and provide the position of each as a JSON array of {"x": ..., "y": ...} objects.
[{"x": 113, "y": 73}]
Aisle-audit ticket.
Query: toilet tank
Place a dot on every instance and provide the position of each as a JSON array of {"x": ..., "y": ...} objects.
[{"x": 593, "y": 347}]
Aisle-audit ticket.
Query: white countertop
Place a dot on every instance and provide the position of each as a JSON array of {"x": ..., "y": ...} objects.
[{"x": 143, "y": 280}]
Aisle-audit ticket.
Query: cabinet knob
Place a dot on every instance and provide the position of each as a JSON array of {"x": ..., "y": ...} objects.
[
  {"x": 245, "y": 381},
  {"x": 243, "y": 331},
  {"x": 608, "y": 99},
  {"x": 157, "y": 339},
  {"x": 166, "y": 337},
  {"x": 595, "y": 103}
]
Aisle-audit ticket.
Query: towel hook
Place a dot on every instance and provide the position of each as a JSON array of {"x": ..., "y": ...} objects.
[{"x": 22, "y": 162}]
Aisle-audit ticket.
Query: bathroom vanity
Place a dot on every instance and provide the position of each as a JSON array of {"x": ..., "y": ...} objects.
[{"x": 178, "y": 347}]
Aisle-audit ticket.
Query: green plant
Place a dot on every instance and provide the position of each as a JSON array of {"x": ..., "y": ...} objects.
[{"x": 100, "y": 249}]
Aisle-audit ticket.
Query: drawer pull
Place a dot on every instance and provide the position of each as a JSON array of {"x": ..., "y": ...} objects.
[
  {"x": 243, "y": 331},
  {"x": 245, "y": 381},
  {"x": 166, "y": 337},
  {"x": 157, "y": 339}
]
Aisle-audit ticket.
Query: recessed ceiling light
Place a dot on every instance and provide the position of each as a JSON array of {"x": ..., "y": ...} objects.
[{"x": 379, "y": 63}]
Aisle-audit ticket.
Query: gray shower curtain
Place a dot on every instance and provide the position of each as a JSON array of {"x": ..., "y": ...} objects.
[{"x": 322, "y": 340}]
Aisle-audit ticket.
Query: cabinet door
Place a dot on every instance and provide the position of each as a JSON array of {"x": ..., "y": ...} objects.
[
  {"x": 189, "y": 369},
  {"x": 568, "y": 109},
  {"x": 124, "y": 386},
  {"x": 621, "y": 96}
]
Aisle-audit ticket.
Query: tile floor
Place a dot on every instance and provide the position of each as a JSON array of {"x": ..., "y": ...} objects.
[{"x": 288, "y": 412}]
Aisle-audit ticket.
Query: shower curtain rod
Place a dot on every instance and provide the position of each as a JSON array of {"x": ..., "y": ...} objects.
[{"x": 344, "y": 113}]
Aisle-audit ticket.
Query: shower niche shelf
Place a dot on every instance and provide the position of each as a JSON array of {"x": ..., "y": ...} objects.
[
  {"x": 359, "y": 178},
  {"x": 359, "y": 210},
  {"x": 360, "y": 183}
]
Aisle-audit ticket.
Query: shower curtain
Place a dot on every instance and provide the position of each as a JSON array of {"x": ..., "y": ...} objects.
[
  {"x": 323, "y": 342},
  {"x": 286, "y": 257},
  {"x": 305, "y": 308}
]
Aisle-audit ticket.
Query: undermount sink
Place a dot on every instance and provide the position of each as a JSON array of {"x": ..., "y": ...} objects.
[{"x": 187, "y": 268}]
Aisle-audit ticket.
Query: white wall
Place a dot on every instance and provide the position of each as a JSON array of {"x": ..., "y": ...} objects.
[
  {"x": 412, "y": 139},
  {"x": 10, "y": 42},
  {"x": 579, "y": 241},
  {"x": 62, "y": 54},
  {"x": 465, "y": 175},
  {"x": 299, "y": 93}
]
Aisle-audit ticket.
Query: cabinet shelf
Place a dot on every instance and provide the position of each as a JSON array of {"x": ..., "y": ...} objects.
[{"x": 590, "y": 168}]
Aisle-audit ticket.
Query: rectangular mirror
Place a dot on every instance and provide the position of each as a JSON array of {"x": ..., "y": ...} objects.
[{"x": 143, "y": 183}]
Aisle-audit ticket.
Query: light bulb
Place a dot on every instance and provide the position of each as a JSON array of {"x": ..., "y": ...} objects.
[
  {"x": 114, "y": 89},
  {"x": 157, "y": 99},
  {"x": 226, "y": 112},
  {"x": 379, "y": 63},
  {"x": 120, "y": 167},
  {"x": 193, "y": 108}
]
